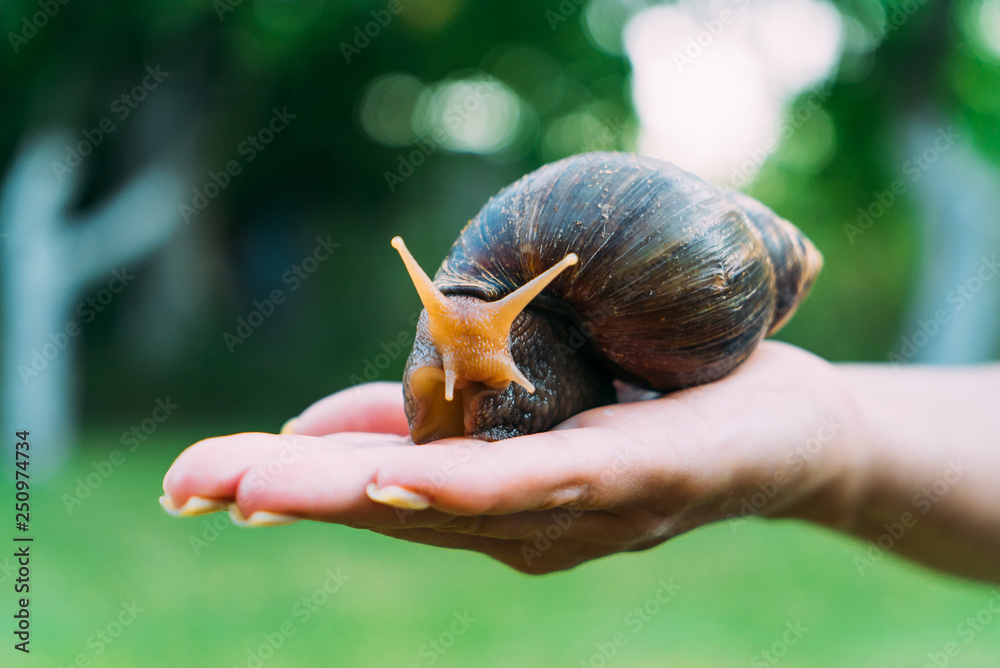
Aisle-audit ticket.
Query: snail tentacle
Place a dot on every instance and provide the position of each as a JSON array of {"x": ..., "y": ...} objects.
[{"x": 473, "y": 336}]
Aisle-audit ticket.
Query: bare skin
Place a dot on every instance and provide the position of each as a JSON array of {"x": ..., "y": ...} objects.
[{"x": 871, "y": 450}]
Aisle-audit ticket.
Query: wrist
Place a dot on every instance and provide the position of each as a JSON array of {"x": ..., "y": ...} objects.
[{"x": 836, "y": 477}]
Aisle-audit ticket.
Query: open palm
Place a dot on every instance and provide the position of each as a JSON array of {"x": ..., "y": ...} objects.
[{"x": 772, "y": 438}]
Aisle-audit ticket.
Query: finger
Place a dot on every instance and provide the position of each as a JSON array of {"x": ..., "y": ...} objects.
[
  {"x": 371, "y": 407},
  {"x": 594, "y": 468},
  {"x": 327, "y": 485},
  {"x": 318, "y": 478},
  {"x": 213, "y": 468}
]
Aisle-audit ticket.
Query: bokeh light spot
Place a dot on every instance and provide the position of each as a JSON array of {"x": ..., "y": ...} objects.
[
  {"x": 386, "y": 108},
  {"x": 604, "y": 22},
  {"x": 479, "y": 114},
  {"x": 981, "y": 21},
  {"x": 712, "y": 81}
]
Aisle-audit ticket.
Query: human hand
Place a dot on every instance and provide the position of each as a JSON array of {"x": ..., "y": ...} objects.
[{"x": 778, "y": 437}]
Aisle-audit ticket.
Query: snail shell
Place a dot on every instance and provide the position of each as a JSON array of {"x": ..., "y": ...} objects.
[{"x": 677, "y": 282}]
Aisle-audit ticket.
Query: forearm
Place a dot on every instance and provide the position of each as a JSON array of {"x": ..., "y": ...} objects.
[{"x": 929, "y": 484}]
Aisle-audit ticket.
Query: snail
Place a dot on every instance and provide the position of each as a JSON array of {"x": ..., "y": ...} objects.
[{"x": 596, "y": 267}]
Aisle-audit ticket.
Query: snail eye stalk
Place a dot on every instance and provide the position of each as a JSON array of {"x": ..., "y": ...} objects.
[
  {"x": 433, "y": 300},
  {"x": 473, "y": 336},
  {"x": 507, "y": 309}
]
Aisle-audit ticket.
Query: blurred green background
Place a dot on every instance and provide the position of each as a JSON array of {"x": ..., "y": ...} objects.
[{"x": 405, "y": 122}]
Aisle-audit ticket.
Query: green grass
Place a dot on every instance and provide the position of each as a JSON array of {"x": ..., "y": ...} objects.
[{"x": 738, "y": 590}]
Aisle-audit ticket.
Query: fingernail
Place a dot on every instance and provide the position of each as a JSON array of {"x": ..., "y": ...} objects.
[
  {"x": 397, "y": 497},
  {"x": 264, "y": 518},
  {"x": 289, "y": 427},
  {"x": 169, "y": 506},
  {"x": 261, "y": 518},
  {"x": 196, "y": 505}
]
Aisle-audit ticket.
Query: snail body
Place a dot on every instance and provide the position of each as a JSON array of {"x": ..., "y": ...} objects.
[{"x": 599, "y": 266}]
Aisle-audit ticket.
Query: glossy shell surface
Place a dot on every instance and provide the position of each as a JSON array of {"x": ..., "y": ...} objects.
[{"x": 678, "y": 280}]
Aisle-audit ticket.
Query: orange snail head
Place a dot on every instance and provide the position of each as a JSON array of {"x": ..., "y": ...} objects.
[{"x": 473, "y": 336}]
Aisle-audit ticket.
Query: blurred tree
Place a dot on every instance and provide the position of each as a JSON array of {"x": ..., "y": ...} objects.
[{"x": 46, "y": 263}]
